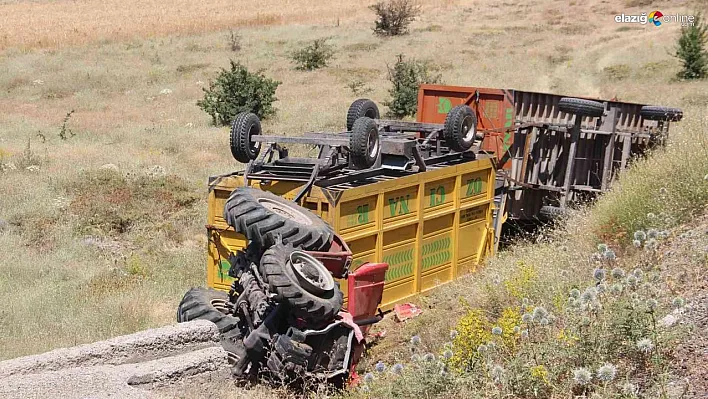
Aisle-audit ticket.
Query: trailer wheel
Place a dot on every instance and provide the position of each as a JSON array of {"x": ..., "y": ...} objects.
[
  {"x": 364, "y": 144},
  {"x": 359, "y": 108},
  {"x": 313, "y": 306},
  {"x": 207, "y": 304},
  {"x": 460, "y": 128},
  {"x": 245, "y": 126},
  {"x": 263, "y": 216},
  {"x": 581, "y": 106},
  {"x": 656, "y": 113}
]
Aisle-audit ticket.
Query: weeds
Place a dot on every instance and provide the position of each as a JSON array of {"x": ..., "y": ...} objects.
[
  {"x": 358, "y": 87},
  {"x": 28, "y": 160},
  {"x": 64, "y": 132},
  {"x": 598, "y": 341},
  {"x": 234, "y": 41},
  {"x": 108, "y": 203},
  {"x": 316, "y": 55},
  {"x": 617, "y": 72}
]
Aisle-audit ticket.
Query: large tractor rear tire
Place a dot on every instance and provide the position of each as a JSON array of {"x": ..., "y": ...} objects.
[
  {"x": 364, "y": 143},
  {"x": 245, "y": 126},
  {"x": 207, "y": 304},
  {"x": 359, "y": 108},
  {"x": 312, "y": 305},
  {"x": 263, "y": 216},
  {"x": 581, "y": 106},
  {"x": 460, "y": 128},
  {"x": 657, "y": 113}
]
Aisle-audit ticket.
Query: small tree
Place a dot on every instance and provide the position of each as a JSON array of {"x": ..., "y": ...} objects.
[
  {"x": 238, "y": 90},
  {"x": 406, "y": 77},
  {"x": 691, "y": 50},
  {"x": 314, "y": 56},
  {"x": 394, "y": 16}
]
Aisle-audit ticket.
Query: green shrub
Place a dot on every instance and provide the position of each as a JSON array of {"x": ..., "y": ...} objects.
[
  {"x": 691, "y": 50},
  {"x": 406, "y": 76},
  {"x": 316, "y": 55},
  {"x": 394, "y": 16},
  {"x": 238, "y": 90}
]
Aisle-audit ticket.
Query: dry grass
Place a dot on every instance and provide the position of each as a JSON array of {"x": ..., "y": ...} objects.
[
  {"x": 133, "y": 72},
  {"x": 45, "y": 24}
]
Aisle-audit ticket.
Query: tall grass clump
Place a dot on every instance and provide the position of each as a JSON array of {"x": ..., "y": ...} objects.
[{"x": 667, "y": 187}]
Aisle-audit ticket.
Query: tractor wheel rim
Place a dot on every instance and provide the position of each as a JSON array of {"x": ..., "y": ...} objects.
[
  {"x": 255, "y": 146},
  {"x": 372, "y": 145},
  {"x": 470, "y": 128},
  {"x": 286, "y": 211},
  {"x": 312, "y": 275}
]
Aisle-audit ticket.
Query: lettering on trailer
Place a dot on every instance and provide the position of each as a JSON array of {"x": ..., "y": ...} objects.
[
  {"x": 469, "y": 215},
  {"x": 444, "y": 105},
  {"x": 437, "y": 196},
  {"x": 474, "y": 187},
  {"x": 223, "y": 271},
  {"x": 399, "y": 205},
  {"x": 360, "y": 217},
  {"x": 507, "y": 135}
]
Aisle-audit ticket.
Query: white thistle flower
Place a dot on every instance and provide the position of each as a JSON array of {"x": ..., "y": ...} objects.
[
  {"x": 582, "y": 376},
  {"x": 607, "y": 372},
  {"x": 645, "y": 345}
]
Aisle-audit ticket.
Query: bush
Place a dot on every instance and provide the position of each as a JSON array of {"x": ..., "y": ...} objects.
[
  {"x": 238, "y": 90},
  {"x": 314, "y": 56},
  {"x": 406, "y": 77},
  {"x": 394, "y": 16},
  {"x": 691, "y": 50}
]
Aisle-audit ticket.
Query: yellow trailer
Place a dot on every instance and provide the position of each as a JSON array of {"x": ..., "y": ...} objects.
[{"x": 431, "y": 224}]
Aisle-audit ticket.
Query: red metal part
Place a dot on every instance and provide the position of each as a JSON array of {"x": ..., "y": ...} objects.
[
  {"x": 365, "y": 288},
  {"x": 338, "y": 259}
]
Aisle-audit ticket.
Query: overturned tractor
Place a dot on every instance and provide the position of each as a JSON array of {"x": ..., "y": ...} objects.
[{"x": 282, "y": 317}]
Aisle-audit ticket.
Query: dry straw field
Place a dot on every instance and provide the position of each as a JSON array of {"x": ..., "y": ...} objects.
[{"x": 102, "y": 232}]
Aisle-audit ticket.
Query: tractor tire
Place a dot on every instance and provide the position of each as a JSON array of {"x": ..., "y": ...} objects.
[
  {"x": 551, "y": 212},
  {"x": 263, "y": 216},
  {"x": 207, "y": 304},
  {"x": 359, "y": 108},
  {"x": 460, "y": 128},
  {"x": 364, "y": 143},
  {"x": 656, "y": 113},
  {"x": 580, "y": 106},
  {"x": 314, "y": 308},
  {"x": 245, "y": 126}
]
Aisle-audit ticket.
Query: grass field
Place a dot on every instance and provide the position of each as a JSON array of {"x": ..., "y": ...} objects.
[{"x": 101, "y": 233}]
